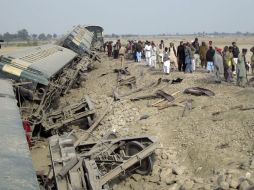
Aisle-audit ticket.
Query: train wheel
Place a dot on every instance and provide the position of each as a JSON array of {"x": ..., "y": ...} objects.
[{"x": 144, "y": 167}]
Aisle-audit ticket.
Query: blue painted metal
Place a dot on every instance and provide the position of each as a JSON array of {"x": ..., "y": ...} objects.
[{"x": 16, "y": 169}]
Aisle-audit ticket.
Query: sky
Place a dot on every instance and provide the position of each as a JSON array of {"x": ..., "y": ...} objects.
[{"x": 128, "y": 16}]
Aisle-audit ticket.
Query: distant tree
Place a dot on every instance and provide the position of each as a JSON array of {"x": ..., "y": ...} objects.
[
  {"x": 23, "y": 34},
  {"x": 7, "y": 36},
  {"x": 115, "y": 35},
  {"x": 49, "y": 36},
  {"x": 246, "y": 34},
  {"x": 34, "y": 36},
  {"x": 1, "y": 37},
  {"x": 54, "y": 35},
  {"x": 42, "y": 36}
]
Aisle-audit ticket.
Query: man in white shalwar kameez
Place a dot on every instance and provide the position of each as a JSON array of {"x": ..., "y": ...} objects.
[
  {"x": 166, "y": 62},
  {"x": 148, "y": 53},
  {"x": 154, "y": 55}
]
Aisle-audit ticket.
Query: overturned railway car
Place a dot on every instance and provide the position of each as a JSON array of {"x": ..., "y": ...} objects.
[
  {"x": 37, "y": 65},
  {"x": 42, "y": 74},
  {"x": 17, "y": 171},
  {"x": 98, "y": 39},
  {"x": 79, "y": 40}
]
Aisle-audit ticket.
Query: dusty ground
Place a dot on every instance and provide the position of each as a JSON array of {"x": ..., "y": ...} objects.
[
  {"x": 201, "y": 145},
  {"x": 202, "y": 150}
]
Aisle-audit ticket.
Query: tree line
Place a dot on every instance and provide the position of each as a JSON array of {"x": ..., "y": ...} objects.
[{"x": 23, "y": 35}]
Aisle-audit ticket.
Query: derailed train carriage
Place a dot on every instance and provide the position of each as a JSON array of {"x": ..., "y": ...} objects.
[
  {"x": 98, "y": 39},
  {"x": 36, "y": 66},
  {"x": 79, "y": 40},
  {"x": 16, "y": 167},
  {"x": 43, "y": 74}
]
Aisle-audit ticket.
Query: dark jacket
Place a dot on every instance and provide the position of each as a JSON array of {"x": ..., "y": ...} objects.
[
  {"x": 180, "y": 52},
  {"x": 196, "y": 46},
  {"x": 235, "y": 51},
  {"x": 209, "y": 54},
  {"x": 139, "y": 48}
]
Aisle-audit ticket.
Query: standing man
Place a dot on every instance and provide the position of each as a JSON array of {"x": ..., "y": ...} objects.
[
  {"x": 118, "y": 46},
  {"x": 122, "y": 52},
  {"x": 218, "y": 65},
  {"x": 172, "y": 55},
  {"x": 252, "y": 60},
  {"x": 162, "y": 44},
  {"x": 210, "y": 43},
  {"x": 209, "y": 58},
  {"x": 195, "y": 44},
  {"x": 148, "y": 51},
  {"x": 153, "y": 55},
  {"x": 188, "y": 58},
  {"x": 241, "y": 69},
  {"x": 166, "y": 62},
  {"x": 228, "y": 61},
  {"x": 236, "y": 53},
  {"x": 109, "y": 48},
  {"x": 202, "y": 52},
  {"x": 180, "y": 57},
  {"x": 160, "y": 52},
  {"x": 139, "y": 51}
]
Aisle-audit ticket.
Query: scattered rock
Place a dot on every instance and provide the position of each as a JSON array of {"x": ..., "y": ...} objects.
[
  {"x": 198, "y": 180},
  {"x": 252, "y": 163},
  {"x": 248, "y": 175},
  {"x": 171, "y": 179},
  {"x": 165, "y": 174},
  {"x": 178, "y": 170},
  {"x": 156, "y": 170},
  {"x": 188, "y": 184},
  {"x": 220, "y": 179},
  {"x": 228, "y": 178},
  {"x": 234, "y": 183},
  {"x": 224, "y": 185},
  {"x": 244, "y": 185},
  {"x": 164, "y": 156},
  {"x": 144, "y": 117},
  {"x": 243, "y": 166},
  {"x": 174, "y": 186}
]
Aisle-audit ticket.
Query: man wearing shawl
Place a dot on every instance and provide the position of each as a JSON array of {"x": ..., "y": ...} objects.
[
  {"x": 241, "y": 69},
  {"x": 218, "y": 65}
]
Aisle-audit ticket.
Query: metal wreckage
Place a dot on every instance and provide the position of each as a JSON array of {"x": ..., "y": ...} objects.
[{"x": 40, "y": 76}]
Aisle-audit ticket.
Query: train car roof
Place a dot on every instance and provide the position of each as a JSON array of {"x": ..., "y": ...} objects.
[
  {"x": 16, "y": 167},
  {"x": 95, "y": 26},
  {"x": 37, "y": 64}
]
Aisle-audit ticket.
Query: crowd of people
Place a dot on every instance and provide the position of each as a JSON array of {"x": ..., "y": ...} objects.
[{"x": 228, "y": 61}]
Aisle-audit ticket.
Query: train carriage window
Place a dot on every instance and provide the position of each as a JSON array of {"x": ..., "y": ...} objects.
[{"x": 98, "y": 34}]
